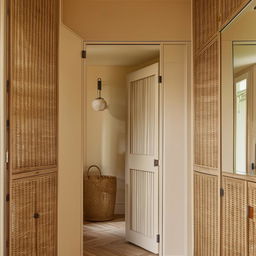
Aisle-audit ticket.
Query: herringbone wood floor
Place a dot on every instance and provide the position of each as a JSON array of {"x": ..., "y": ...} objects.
[{"x": 107, "y": 239}]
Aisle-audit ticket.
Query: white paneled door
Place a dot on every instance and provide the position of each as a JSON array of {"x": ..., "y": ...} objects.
[{"x": 142, "y": 220}]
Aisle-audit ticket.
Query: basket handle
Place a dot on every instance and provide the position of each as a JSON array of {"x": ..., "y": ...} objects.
[{"x": 93, "y": 166}]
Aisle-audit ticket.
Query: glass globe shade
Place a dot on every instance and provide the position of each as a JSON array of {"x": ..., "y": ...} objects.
[{"x": 99, "y": 104}]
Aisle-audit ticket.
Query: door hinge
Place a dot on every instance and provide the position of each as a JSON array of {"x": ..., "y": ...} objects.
[
  {"x": 7, "y": 197},
  {"x": 6, "y": 157},
  {"x": 7, "y": 85},
  {"x": 221, "y": 192},
  {"x": 158, "y": 238},
  {"x": 156, "y": 162},
  {"x": 160, "y": 79},
  {"x": 7, "y": 124},
  {"x": 83, "y": 54},
  {"x": 8, "y": 9}
]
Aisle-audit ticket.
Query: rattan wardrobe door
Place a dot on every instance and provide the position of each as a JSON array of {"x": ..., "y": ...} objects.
[
  {"x": 252, "y": 218},
  {"x": 22, "y": 222},
  {"x": 205, "y": 26},
  {"x": 33, "y": 84},
  {"x": 229, "y": 8},
  {"x": 33, "y": 218},
  {"x": 47, "y": 210},
  {"x": 234, "y": 217},
  {"x": 206, "y": 107},
  {"x": 206, "y": 221}
]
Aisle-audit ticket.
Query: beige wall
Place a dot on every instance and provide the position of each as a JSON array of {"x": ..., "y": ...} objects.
[
  {"x": 129, "y": 20},
  {"x": 106, "y": 130},
  {"x": 176, "y": 151},
  {"x": 70, "y": 207}
]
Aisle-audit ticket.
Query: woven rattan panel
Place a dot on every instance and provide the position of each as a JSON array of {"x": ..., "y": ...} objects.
[
  {"x": 206, "y": 107},
  {"x": 229, "y": 8},
  {"x": 252, "y": 219},
  {"x": 234, "y": 218},
  {"x": 33, "y": 84},
  {"x": 205, "y": 25},
  {"x": 31, "y": 234},
  {"x": 47, "y": 208},
  {"x": 206, "y": 228},
  {"x": 22, "y": 223}
]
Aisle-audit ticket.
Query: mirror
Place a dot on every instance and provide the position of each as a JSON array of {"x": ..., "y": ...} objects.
[{"x": 238, "y": 93}]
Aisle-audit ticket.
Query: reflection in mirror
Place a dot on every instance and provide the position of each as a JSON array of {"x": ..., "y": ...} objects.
[
  {"x": 240, "y": 121},
  {"x": 238, "y": 93}
]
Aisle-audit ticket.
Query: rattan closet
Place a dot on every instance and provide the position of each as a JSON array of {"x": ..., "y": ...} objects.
[
  {"x": 32, "y": 126},
  {"x": 221, "y": 226}
]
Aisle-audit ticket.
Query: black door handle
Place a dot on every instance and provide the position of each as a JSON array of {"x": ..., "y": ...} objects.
[{"x": 36, "y": 216}]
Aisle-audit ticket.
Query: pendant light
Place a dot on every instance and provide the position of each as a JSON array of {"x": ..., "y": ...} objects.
[{"x": 99, "y": 104}]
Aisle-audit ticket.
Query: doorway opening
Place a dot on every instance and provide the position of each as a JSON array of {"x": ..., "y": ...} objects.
[{"x": 122, "y": 145}]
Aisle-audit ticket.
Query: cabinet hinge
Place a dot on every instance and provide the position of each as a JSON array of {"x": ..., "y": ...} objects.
[
  {"x": 158, "y": 238},
  {"x": 7, "y": 157},
  {"x": 7, "y": 85},
  {"x": 160, "y": 79},
  {"x": 156, "y": 162},
  {"x": 83, "y": 54},
  {"x": 221, "y": 192},
  {"x": 7, "y": 197}
]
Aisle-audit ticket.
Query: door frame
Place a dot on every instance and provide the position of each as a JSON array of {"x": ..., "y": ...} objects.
[
  {"x": 160, "y": 133},
  {"x": 3, "y": 173},
  {"x": 188, "y": 246}
]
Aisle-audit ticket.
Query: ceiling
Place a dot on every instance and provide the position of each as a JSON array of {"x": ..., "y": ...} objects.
[
  {"x": 129, "y": 20},
  {"x": 121, "y": 55},
  {"x": 244, "y": 56}
]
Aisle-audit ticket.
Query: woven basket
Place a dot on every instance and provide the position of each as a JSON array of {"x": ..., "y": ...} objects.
[{"x": 99, "y": 196}]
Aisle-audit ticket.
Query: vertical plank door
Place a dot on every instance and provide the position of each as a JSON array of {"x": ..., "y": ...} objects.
[{"x": 142, "y": 163}]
